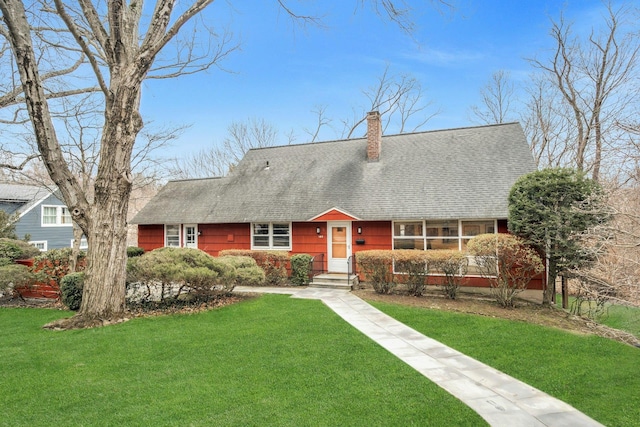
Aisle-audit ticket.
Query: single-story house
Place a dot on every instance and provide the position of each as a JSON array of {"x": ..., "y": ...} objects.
[
  {"x": 42, "y": 215},
  {"x": 427, "y": 190}
]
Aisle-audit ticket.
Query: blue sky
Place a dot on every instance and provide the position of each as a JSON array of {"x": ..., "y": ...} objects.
[{"x": 282, "y": 72}]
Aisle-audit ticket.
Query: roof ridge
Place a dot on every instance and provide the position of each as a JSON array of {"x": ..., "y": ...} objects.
[
  {"x": 196, "y": 179},
  {"x": 332, "y": 141}
]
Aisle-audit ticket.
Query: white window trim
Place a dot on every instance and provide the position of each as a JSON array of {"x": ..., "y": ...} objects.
[
  {"x": 44, "y": 244},
  {"x": 58, "y": 216},
  {"x": 271, "y": 247},
  {"x": 179, "y": 235},
  {"x": 84, "y": 245},
  {"x": 184, "y": 234},
  {"x": 460, "y": 236}
]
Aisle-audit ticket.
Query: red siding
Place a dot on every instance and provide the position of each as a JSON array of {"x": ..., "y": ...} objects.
[
  {"x": 214, "y": 238},
  {"x": 150, "y": 237},
  {"x": 376, "y": 235},
  {"x": 306, "y": 240}
]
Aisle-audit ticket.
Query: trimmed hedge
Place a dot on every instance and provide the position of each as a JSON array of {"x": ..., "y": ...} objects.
[
  {"x": 14, "y": 276},
  {"x": 377, "y": 265},
  {"x": 12, "y": 249},
  {"x": 134, "y": 251},
  {"x": 301, "y": 269},
  {"x": 412, "y": 268},
  {"x": 182, "y": 270},
  {"x": 272, "y": 262},
  {"x": 248, "y": 273},
  {"x": 453, "y": 264}
]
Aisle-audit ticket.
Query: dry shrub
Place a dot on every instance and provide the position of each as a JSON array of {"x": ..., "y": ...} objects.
[
  {"x": 377, "y": 267},
  {"x": 453, "y": 264},
  {"x": 507, "y": 262}
]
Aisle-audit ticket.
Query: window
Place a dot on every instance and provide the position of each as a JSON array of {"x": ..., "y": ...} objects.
[
  {"x": 440, "y": 234},
  {"x": 275, "y": 235},
  {"x": 83, "y": 244},
  {"x": 55, "y": 216},
  {"x": 172, "y": 235},
  {"x": 40, "y": 244}
]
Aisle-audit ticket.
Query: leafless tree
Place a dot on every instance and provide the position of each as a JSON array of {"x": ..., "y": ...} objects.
[
  {"x": 497, "y": 98},
  {"x": 595, "y": 79},
  {"x": 219, "y": 159},
  {"x": 398, "y": 98},
  {"x": 550, "y": 136},
  {"x": 120, "y": 44},
  {"x": 109, "y": 37}
]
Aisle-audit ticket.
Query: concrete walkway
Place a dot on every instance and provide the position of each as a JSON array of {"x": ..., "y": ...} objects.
[{"x": 500, "y": 399}]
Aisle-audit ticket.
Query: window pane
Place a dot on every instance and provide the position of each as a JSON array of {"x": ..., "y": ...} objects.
[
  {"x": 442, "y": 228},
  {"x": 280, "y": 229},
  {"x": 49, "y": 214},
  {"x": 408, "y": 244},
  {"x": 407, "y": 229},
  {"x": 473, "y": 228},
  {"x": 262, "y": 241},
  {"x": 281, "y": 241},
  {"x": 442, "y": 244},
  {"x": 262, "y": 229},
  {"x": 173, "y": 235},
  {"x": 66, "y": 216}
]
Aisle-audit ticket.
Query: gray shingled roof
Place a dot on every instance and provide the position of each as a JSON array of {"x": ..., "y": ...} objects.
[
  {"x": 20, "y": 198},
  {"x": 456, "y": 173}
]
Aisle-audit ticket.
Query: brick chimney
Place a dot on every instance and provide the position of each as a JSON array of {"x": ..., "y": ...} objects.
[{"x": 374, "y": 136}]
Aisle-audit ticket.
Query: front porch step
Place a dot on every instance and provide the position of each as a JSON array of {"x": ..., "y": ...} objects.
[{"x": 334, "y": 281}]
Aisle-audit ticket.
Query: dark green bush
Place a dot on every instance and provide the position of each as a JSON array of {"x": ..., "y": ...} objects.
[
  {"x": 377, "y": 267},
  {"x": 272, "y": 262},
  {"x": 71, "y": 290},
  {"x": 134, "y": 251},
  {"x": 300, "y": 269},
  {"x": 17, "y": 249},
  {"x": 14, "y": 276}
]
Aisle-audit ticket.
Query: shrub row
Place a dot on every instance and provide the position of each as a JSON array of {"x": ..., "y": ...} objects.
[{"x": 414, "y": 267}]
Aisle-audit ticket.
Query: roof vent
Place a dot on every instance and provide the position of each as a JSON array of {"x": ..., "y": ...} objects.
[{"x": 267, "y": 166}]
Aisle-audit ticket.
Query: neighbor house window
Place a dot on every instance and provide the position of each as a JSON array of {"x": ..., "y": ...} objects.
[
  {"x": 53, "y": 216},
  {"x": 271, "y": 235},
  {"x": 83, "y": 244},
  {"x": 40, "y": 244},
  {"x": 172, "y": 235}
]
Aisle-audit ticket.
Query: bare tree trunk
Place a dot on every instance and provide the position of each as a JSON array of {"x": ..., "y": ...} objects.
[{"x": 75, "y": 248}]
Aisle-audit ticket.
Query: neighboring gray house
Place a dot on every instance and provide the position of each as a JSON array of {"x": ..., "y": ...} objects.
[{"x": 43, "y": 216}]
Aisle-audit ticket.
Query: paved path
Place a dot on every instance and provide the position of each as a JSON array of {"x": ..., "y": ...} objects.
[{"x": 500, "y": 399}]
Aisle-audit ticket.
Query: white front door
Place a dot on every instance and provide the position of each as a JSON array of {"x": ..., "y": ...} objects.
[
  {"x": 338, "y": 246},
  {"x": 191, "y": 236}
]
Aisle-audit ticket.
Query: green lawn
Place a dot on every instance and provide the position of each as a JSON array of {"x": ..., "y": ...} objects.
[
  {"x": 615, "y": 316},
  {"x": 267, "y": 361},
  {"x": 597, "y": 376}
]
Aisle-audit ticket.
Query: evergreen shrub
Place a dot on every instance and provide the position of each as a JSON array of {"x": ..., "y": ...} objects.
[
  {"x": 300, "y": 269},
  {"x": 71, "y": 287},
  {"x": 274, "y": 263}
]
